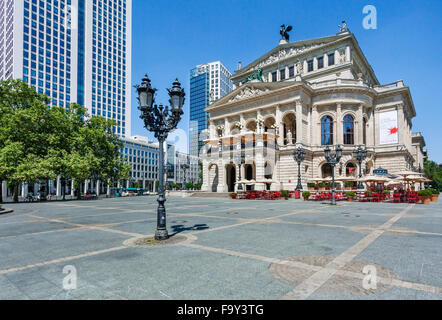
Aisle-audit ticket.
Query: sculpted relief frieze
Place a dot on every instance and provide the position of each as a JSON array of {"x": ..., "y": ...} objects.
[
  {"x": 248, "y": 92},
  {"x": 283, "y": 54}
]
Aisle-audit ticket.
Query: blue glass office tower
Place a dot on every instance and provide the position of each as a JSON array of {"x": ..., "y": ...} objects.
[
  {"x": 199, "y": 99},
  {"x": 72, "y": 51},
  {"x": 208, "y": 82}
]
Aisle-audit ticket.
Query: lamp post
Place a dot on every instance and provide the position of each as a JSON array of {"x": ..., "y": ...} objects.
[
  {"x": 420, "y": 183},
  {"x": 185, "y": 166},
  {"x": 360, "y": 154},
  {"x": 332, "y": 161},
  {"x": 160, "y": 120},
  {"x": 299, "y": 155},
  {"x": 239, "y": 160}
]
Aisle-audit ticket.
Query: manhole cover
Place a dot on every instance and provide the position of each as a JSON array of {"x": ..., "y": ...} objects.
[
  {"x": 178, "y": 221},
  {"x": 346, "y": 281},
  {"x": 232, "y": 212}
]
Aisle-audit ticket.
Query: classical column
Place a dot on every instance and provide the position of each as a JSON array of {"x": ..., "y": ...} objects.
[
  {"x": 127, "y": 183},
  {"x": 24, "y": 189},
  {"x": 299, "y": 131},
  {"x": 315, "y": 127},
  {"x": 325, "y": 60},
  {"x": 72, "y": 188},
  {"x": 360, "y": 123},
  {"x": 4, "y": 191},
  {"x": 97, "y": 188},
  {"x": 58, "y": 190},
  {"x": 339, "y": 136},
  {"x": 270, "y": 77},
  {"x": 108, "y": 188},
  {"x": 242, "y": 121},
  {"x": 226, "y": 126},
  {"x": 279, "y": 123},
  {"x": 305, "y": 69},
  {"x": 401, "y": 123},
  {"x": 347, "y": 54},
  {"x": 86, "y": 185},
  {"x": 212, "y": 129},
  {"x": 258, "y": 126}
]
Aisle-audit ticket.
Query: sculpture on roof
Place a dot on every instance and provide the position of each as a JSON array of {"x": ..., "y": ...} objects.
[
  {"x": 284, "y": 32},
  {"x": 343, "y": 27}
]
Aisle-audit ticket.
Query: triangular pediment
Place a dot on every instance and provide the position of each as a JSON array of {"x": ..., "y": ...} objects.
[
  {"x": 249, "y": 91},
  {"x": 288, "y": 50}
]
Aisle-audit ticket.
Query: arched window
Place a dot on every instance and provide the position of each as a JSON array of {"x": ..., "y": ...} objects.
[
  {"x": 326, "y": 170},
  {"x": 326, "y": 130},
  {"x": 350, "y": 170},
  {"x": 349, "y": 125}
]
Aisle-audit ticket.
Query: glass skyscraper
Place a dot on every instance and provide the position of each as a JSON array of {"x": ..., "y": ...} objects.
[
  {"x": 73, "y": 51},
  {"x": 208, "y": 82}
]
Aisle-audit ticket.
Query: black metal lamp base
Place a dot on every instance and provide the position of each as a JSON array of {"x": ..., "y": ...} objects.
[{"x": 161, "y": 234}]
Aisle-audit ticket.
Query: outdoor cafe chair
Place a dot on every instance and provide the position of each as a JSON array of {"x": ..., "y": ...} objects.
[{"x": 397, "y": 197}]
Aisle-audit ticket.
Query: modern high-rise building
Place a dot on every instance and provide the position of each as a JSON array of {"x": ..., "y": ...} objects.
[
  {"x": 73, "y": 51},
  {"x": 208, "y": 83}
]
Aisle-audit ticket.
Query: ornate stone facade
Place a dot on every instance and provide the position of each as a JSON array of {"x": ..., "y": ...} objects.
[{"x": 325, "y": 93}]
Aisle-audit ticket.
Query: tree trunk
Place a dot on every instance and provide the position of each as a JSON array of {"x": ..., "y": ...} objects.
[
  {"x": 63, "y": 188},
  {"x": 15, "y": 188},
  {"x": 1, "y": 191},
  {"x": 79, "y": 190}
]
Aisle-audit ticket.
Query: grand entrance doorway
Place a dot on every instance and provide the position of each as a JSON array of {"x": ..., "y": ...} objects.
[{"x": 231, "y": 177}]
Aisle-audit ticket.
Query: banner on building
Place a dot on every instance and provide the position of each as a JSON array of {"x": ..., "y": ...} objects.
[{"x": 388, "y": 127}]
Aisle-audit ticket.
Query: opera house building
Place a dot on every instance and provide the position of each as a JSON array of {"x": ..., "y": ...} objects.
[{"x": 310, "y": 94}]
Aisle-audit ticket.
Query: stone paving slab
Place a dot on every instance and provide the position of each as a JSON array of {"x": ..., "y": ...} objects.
[{"x": 232, "y": 248}]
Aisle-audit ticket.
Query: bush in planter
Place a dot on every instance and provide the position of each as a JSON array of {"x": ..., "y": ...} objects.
[
  {"x": 311, "y": 185},
  {"x": 350, "y": 195},
  {"x": 435, "y": 194},
  {"x": 321, "y": 185},
  {"x": 232, "y": 196},
  {"x": 349, "y": 184},
  {"x": 285, "y": 194},
  {"x": 368, "y": 192},
  {"x": 425, "y": 195},
  {"x": 306, "y": 195}
]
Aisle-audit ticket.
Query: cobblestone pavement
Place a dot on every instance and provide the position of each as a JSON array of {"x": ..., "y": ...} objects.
[{"x": 224, "y": 249}]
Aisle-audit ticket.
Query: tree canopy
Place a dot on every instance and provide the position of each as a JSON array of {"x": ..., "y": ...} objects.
[
  {"x": 434, "y": 172},
  {"x": 39, "y": 142}
]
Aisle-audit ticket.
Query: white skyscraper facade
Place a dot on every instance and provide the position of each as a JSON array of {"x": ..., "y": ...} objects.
[{"x": 73, "y": 51}]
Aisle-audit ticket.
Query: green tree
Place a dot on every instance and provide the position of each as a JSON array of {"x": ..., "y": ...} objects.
[
  {"x": 41, "y": 142},
  {"x": 434, "y": 172}
]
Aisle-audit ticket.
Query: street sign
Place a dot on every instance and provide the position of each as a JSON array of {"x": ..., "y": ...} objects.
[{"x": 380, "y": 171}]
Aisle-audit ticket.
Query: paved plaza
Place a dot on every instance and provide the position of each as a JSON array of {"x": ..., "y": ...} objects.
[{"x": 228, "y": 249}]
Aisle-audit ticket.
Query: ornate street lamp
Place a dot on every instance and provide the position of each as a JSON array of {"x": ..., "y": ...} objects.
[
  {"x": 160, "y": 120},
  {"x": 332, "y": 161},
  {"x": 420, "y": 171},
  {"x": 185, "y": 166},
  {"x": 299, "y": 155},
  {"x": 239, "y": 160},
  {"x": 360, "y": 154}
]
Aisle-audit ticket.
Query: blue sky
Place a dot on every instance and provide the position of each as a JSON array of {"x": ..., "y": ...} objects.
[{"x": 171, "y": 37}]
